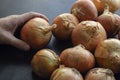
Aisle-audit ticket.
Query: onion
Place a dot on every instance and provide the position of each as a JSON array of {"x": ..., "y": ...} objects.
[
  {"x": 89, "y": 34},
  {"x": 37, "y": 33},
  {"x": 44, "y": 62},
  {"x": 110, "y": 21},
  {"x": 107, "y": 54},
  {"x": 66, "y": 73},
  {"x": 77, "y": 57},
  {"x": 100, "y": 74},
  {"x": 84, "y": 10},
  {"x": 113, "y": 4},
  {"x": 65, "y": 22}
]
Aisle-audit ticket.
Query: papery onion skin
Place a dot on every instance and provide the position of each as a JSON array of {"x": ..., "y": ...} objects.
[
  {"x": 107, "y": 54},
  {"x": 110, "y": 22},
  {"x": 65, "y": 22},
  {"x": 84, "y": 10},
  {"x": 66, "y": 73},
  {"x": 99, "y": 5},
  {"x": 44, "y": 62},
  {"x": 77, "y": 57},
  {"x": 100, "y": 74},
  {"x": 36, "y": 32},
  {"x": 89, "y": 34},
  {"x": 113, "y": 5}
]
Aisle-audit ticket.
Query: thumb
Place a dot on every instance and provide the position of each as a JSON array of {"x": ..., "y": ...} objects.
[{"x": 18, "y": 43}]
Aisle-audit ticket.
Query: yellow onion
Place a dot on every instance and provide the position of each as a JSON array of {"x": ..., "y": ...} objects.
[
  {"x": 107, "y": 54},
  {"x": 65, "y": 22},
  {"x": 84, "y": 10},
  {"x": 77, "y": 57},
  {"x": 100, "y": 74},
  {"x": 113, "y": 4},
  {"x": 89, "y": 34},
  {"x": 37, "y": 33},
  {"x": 66, "y": 73},
  {"x": 44, "y": 62},
  {"x": 110, "y": 22}
]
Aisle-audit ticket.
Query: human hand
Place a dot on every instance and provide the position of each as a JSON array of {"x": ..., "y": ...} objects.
[{"x": 8, "y": 26}]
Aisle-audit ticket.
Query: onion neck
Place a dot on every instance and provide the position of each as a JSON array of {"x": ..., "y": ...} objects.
[
  {"x": 50, "y": 28},
  {"x": 106, "y": 9}
]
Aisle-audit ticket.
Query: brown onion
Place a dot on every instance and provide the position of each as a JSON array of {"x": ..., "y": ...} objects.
[
  {"x": 110, "y": 21},
  {"x": 100, "y": 74},
  {"x": 77, "y": 57},
  {"x": 65, "y": 22},
  {"x": 84, "y": 10},
  {"x": 89, "y": 34},
  {"x": 107, "y": 54},
  {"x": 44, "y": 62},
  {"x": 113, "y": 4},
  {"x": 37, "y": 33},
  {"x": 66, "y": 73}
]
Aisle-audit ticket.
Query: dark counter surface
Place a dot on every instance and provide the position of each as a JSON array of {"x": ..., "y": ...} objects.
[{"x": 14, "y": 63}]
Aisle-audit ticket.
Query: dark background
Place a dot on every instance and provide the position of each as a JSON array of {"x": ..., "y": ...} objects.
[{"x": 14, "y": 63}]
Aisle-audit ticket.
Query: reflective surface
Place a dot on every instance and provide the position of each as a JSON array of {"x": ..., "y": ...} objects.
[{"x": 14, "y": 63}]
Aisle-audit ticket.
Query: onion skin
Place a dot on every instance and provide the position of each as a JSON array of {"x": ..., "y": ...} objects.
[
  {"x": 110, "y": 22},
  {"x": 44, "y": 62},
  {"x": 65, "y": 22},
  {"x": 99, "y": 5},
  {"x": 84, "y": 10},
  {"x": 113, "y": 5},
  {"x": 100, "y": 74},
  {"x": 107, "y": 54},
  {"x": 77, "y": 57},
  {"x": 66, "y": 73},
  {"x": 89, "y": 34},
  {"x": 36, "y": 33}
]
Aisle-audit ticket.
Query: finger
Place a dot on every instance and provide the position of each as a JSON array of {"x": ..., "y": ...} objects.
[
  {"x": 17, "y": 43},
  {"x": 20, "y": 44},
  {"x": 27, "y": 16}
]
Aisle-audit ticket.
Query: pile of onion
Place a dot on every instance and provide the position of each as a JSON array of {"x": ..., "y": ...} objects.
[
  {"x": 100, "y": 74},
  {"x": 77, "y": 57},
  {"x": 66, "y": 73},
  {"x": 37, "y": 33},
  {"x": 44, "y": 62},
  {"x": 110, "y": 21},
  {"x": 113, "y": 4},
  {"x": 65, "y": 23},
  {"x": 84, "y": 10},
  {"x": 107, "y": 54},
  {"x": 89, "y": 34}
]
